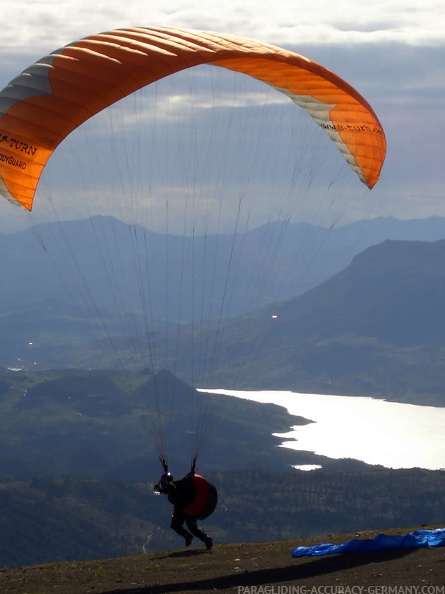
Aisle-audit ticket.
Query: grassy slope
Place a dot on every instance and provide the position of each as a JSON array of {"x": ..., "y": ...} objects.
[{"x": 232, "y": 568}]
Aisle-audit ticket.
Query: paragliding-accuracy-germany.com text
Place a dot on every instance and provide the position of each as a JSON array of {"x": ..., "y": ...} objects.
[{"x": 380, "y": 589}]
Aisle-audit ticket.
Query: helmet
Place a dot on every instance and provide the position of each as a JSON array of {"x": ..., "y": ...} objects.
[{"x": 165, "y": 480}]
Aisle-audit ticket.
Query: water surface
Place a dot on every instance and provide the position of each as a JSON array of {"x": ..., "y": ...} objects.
[{"x": 368, "y": 429}]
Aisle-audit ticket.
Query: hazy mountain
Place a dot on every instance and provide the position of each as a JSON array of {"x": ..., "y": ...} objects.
[
  {"x": 104, "y": 263},
  {"x": 375, "y": 327},
  {"x": 392, "y": 292}
]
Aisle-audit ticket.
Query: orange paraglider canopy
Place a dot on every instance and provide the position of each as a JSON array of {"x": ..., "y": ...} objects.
[{"x": 51, "y": 98}]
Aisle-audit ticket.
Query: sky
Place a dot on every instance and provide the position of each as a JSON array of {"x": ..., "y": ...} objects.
[{"x": 392, "y": 52}]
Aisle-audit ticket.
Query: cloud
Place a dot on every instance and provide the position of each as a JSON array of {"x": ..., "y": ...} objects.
[{"x": 45, "y": 25}]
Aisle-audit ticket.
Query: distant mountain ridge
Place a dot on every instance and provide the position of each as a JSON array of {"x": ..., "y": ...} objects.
[
  {"x": 58, "y": 261},
  {"x": 392, "y": 292},
  {"x": 375, "y": 327}
]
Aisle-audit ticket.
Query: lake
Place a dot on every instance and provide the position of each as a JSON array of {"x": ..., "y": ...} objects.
[{"x": 368, "y": 429}]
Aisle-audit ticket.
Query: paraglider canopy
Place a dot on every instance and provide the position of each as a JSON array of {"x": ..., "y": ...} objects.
[{"x": 51, "y": 98}]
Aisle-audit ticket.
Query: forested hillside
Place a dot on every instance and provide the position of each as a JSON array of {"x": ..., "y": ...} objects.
[{"x": 66, "y": 519}]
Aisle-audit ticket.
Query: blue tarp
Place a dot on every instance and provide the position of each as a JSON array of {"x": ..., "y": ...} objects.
[{"x": 382, "y": 542}]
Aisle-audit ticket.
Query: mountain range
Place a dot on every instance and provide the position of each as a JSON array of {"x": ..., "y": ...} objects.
[
  {"x": 372, "y": 324},
  {"x": 376, "y": 328},
  {"x": 68, "y": 261}
]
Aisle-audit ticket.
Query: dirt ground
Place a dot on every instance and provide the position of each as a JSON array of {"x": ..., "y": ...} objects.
[{"x": 264, "y": 568}]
